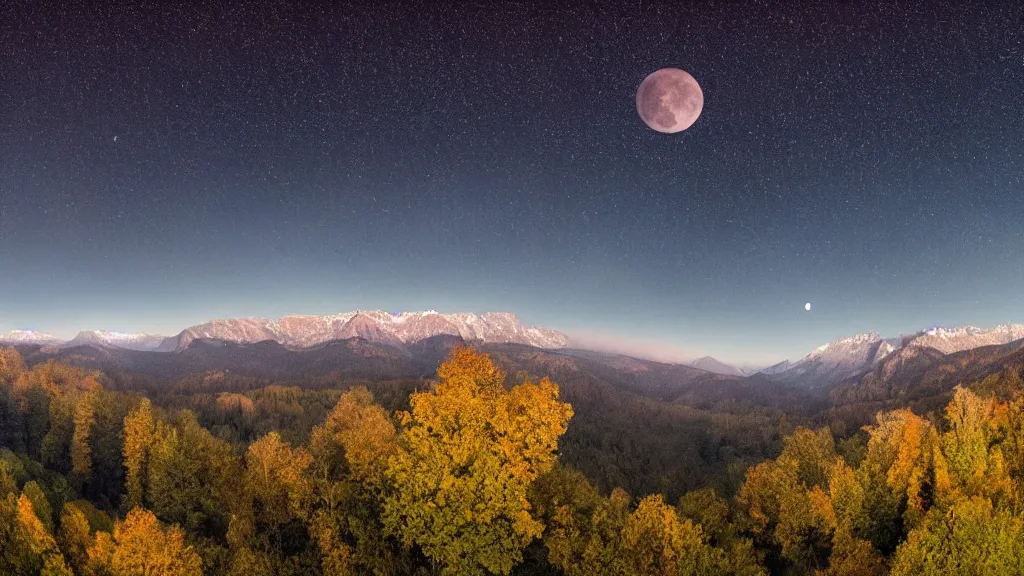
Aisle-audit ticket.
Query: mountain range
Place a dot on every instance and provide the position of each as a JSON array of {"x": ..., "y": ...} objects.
[
  {"x": 825, "y": 367},
  {"x": 845, "y": 358},
  {"x": 398, "y": 330}
]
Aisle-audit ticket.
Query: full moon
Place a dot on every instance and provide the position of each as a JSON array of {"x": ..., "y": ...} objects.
[
  {"x": 669, "y": 100},
  {"x": 807, "y": 306}
]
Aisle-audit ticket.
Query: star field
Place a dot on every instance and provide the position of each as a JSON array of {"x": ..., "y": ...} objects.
[{"x": 164, "y": 163}]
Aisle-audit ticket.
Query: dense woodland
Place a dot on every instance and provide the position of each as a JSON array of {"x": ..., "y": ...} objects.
[{"x": 483, "y": 470}]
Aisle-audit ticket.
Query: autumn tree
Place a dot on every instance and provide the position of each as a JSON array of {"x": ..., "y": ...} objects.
[
  {"x": 350, "y": 453},
  {"x": 55, "y": 450},
  {"x": 785, "y": 514},
  {"x": 971, "y": 538},
  {"x": 469, "y": 451},
  {"x": 723, "y": 527},
  {"x": 74, "y": 536},
  {"x": 81, "y": 451},
  {"x": 897, "y": 476},
  {"x": 139, "y": 430},
  {"x": 655, "y": 541},
  {"x": 814, "y": 453},
  {"x": 11, "y": 365},
  {"x": 972, "y": 455},
  {"x": 191, "y": 477},
  {"x": 583, "y": 541},
  {"x": 266, "y": 526},
  {"x": 106, "y": 437},
  {"x": 809, "y": 506},
  {"x": 139, "y": 546},
  {"x": 39, "y": 541},
  {"x": 652, "y": 540},
  {"x": 40, "y": 504}
]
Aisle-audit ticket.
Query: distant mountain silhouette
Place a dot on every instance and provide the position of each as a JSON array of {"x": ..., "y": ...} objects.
[{"x": 718, "y": 367}]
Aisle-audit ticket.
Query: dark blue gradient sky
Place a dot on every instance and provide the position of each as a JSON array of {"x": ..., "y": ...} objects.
[{"x": 166, "y": 163}]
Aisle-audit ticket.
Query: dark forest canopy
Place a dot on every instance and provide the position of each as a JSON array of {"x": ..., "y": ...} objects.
[{"x": 476, "y": 472}]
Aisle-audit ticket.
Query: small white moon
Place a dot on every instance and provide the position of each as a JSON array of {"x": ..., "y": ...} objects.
[{"x": 807, "y": 306}]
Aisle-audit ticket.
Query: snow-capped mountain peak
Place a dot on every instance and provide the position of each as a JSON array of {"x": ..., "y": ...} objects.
[
  {"x": 126, "y": 340},
  {"x": 832, "y": 362},
  {"x": 29, "y": 337},
  {"x": 848, "y": 342}
]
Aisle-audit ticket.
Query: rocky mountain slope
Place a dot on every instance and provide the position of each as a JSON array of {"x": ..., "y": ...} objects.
[
  {"x": 846, "y": 358},
  {"x": 923, "y": 378},
  {"x": 833, "y": 362}
]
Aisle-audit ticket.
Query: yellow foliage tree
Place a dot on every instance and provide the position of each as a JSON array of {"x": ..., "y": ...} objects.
[
  {"x": 275, "y": 492},
  {"x": 140, "y": 547},
  {"x": 813, "y": 451},
  {"x": 651, "y": 541},
  {"x": 350, "y": 454},
  {"x": 81, "y": 453},
  {"x": 589, "y": 546},
  {"x": 656, "y": 542},
  {"x": 973, "y": 459},
  {"x": 363, "y": 431},
  {"x": 74, "y": 536},
  {"x": 970, "y": 539},
  {"x": 40, "y": 541},
  {"x": 11, "y": 365},
  {"x": 469, "y": 452},
  {"x": 138, "y": 439},
  {"x": 275, "y": 478}
]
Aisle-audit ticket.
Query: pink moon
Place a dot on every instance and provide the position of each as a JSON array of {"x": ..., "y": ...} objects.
[{"x": 669, "y": 100}]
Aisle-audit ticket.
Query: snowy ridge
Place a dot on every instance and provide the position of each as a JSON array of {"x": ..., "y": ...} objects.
[
  {"x": 29, "y": 337},
  {"x": 849, "y": 356},
  {"x": 848, "y": 343},
  {"x": 950, "y": 340},
  {"x": 373, "y": 325}
]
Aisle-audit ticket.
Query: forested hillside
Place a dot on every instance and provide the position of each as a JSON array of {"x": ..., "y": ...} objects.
[{"x": 512, "y": 462}]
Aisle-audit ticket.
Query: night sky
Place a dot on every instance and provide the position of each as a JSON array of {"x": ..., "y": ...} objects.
[{"x": 164, "y": 164}]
